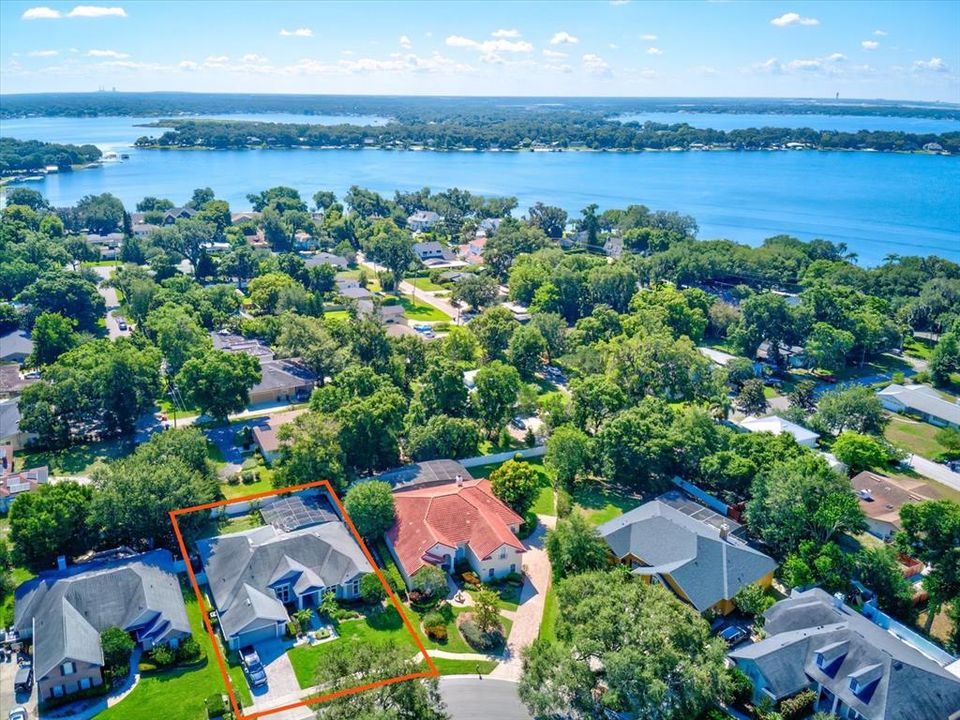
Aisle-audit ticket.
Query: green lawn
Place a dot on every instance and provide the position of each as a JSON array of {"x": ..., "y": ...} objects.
[
  {"x": 918, "y": 347},
  {"x": 424, "y": 284},
  {"x": 180, "y": 693},
  {"x": 509, "y": 595},
  {"x": 455, "y": 642},
  {"x": 226, "y": 526},
  {"x": 263, "y": 483},
  {"x": 337, "y": 314},
  {"x": 421, "y": 311},
  {"x": 914, "y": 436},
  {"x": 550, "y": 610},
  {"x": 463, "y": 667},
  {"x": 18, "y": 575},
  {"x": 75, "y": 460},
  {"x": 600, "y": 503},
  {"x": 375, "y": 628},
  {"x": 166, "y": 405},
  {"x": 544, "y": 504}
]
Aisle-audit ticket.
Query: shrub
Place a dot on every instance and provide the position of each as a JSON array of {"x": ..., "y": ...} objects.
[
  {"x": 371, "y": 589},
  {"x": 146, "y": 667},
  {"x": 479, "y": 640},
  {"x": 429, "y": 580},
  {"x": 215, "y": 706},
  {"x": 189, "y": 651},
  {"x": 249, "y": 464},
  {"x": 234, "y": 479},
  {"x": 564, "y": 503},
  {"x": 741, "y": 687},
  {"x": 433, "y": 618},
  {"x": 471, "y": 578},
  {"x": 798, "y": 706},
  {"x": 117, "y": 647},
  {"x": 292, "y": 629},
  {"x": 163, "y": 656}
]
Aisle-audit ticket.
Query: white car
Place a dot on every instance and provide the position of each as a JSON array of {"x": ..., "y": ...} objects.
[{"x": 18, "y": 713}]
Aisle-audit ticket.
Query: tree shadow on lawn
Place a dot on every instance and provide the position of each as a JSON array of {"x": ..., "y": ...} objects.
[
  {"x": 384, "y": 621},
  {"x": 79, "y": 458}
]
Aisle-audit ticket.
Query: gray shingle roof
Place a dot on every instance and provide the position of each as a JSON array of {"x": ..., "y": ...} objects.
[
  {"x": 924, "y": 399},
  {"x": 704, "y": 566},
  {"x": 278, "y": 374},
  {"x": 241, "y": 568},
  {"x": 9, "y": 417},
  {"x": 70, "y": 608},
  {"x": 901, "y": 682},
  {"x": 428, "y": 472},
  {"x": 15, "y": 344}
]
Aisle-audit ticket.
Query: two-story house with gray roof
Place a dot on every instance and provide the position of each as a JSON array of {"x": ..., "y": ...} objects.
[
  {"x": 256, "y": 575},
  {"x": 671, "y": 542},
  {"x": 859, "y": 670},
  {"x": 64, "y": 612}
]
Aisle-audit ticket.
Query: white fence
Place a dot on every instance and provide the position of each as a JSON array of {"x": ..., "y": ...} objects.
[{"x": 504, "y": 456}]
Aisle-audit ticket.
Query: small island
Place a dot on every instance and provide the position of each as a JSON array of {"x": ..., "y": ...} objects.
[{"x": 20, "y": 158}]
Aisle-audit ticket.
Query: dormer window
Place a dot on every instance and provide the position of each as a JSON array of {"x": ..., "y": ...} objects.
[
  {"x": 862, "y": 680},
  {"x": 830, "y": 654}
]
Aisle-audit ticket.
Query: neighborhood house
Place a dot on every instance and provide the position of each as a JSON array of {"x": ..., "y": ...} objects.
[
  {"x": 64, "y": 611},
  {"x": 256, "y": 575},
  {"x": 422, "y": 220},
  {"x": 777, "y": 425},
  {"x": 690, "y": 549},
  {"x": 921, "y": 400},
  {"x": 858, "y": 669},
  {"x": 443, "y": 520},
  {"x": 13, "y": 483},
  {"x": 882, "y": 497},
  {"x": 281, "y": 380}
]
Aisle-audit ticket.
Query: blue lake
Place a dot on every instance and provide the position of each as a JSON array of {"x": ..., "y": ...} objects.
[
  {"x": 874, "y": 202},
  {"x": 842, "y": 123}
]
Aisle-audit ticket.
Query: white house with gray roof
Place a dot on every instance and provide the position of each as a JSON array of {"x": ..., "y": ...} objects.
[
  {"x": 672, "y": 543},
  {"x": 256, "y": 575},
  {"x": 64, "y": 612},
  {"x": 859, "y": 670},
  {"x": 922, "y": 400}
]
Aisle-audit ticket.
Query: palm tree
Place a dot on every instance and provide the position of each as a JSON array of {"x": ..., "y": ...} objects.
[{"x": 302, "y": 618}]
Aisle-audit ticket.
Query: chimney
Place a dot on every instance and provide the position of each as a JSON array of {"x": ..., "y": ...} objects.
[
  {"x": 459, "y": 480},
  {"x": 838, "y": 600},
  {"x": 724, "y": 531},
  {"x": 61, "y": 562}
]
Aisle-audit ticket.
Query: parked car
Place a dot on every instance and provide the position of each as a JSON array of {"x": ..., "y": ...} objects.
[
  {"x": 734, "y": 634},
  {"x": 18, "y": 713},
  {"x": 23, "y": 682},
  {"x": 122, "y": 325},
  {"x": 250, "y": 661},
  {"x": 518, "y": 423}
]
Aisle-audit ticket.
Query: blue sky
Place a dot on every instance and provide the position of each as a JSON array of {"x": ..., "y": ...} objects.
[{"x": 895, "y": 50}]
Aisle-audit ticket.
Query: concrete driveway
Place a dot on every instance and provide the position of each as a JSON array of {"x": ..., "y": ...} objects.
[
  {"x": 472, "y": 699},
  {"x": 934, "y": 471},
  {"x": 9, "y": 699},
  {"x": 282, "y": 687},
  {"x": 529, "y": 613}
]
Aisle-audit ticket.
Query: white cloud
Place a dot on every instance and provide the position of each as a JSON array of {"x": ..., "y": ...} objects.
[
  {"x": 254, "y": 58},
  {"x": 880, "y": 33},
  {"x": 299, "y": 32},
  {"x": 108, "y": 54},
  {"x": 836, "y": 57},
  {"x": 704, "y": 70},
  {"x": 595, "y": 64},
  {"x": 792, "y": 18},
  {"x": 43, "y": 53},
  {"x": 188, "y": 65},
  {"x": 934, "y": 64},
  {"x": 490, "y": 46},
  {"x": 833, "y": 64},
  {"x": 506, "y": 33},
  {"x": 654, "y": 51},
  {"x": 95, "y": 11},
  {"x": 619, "y": 2},
  {"x": 869, "y": 44},
  {"x": 613, "y": 46},
  {"x": 40, "y": 13},
  {"x": 216, "y": 59},
  {"x": 649, "y": 37},
  {"x": 564, "y": 38},
  {"x": 767, "y": 67},
  {"x": 553, "y": 53},
  {"x": 405, "y": 42}
]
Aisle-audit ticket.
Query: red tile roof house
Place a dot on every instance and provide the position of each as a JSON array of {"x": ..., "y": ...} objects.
[{"x": 441, "y": 524}]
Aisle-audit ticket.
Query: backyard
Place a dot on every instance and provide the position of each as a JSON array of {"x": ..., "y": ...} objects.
[
  {"x": 600, "y": 503},
  {"x": 75, "y": 460},
  {"x": 180, "y": 693},
  {"x": 415, "y": 310},
  {"x": 544, "y": 504},
  {"x": 914, "y": 436}
]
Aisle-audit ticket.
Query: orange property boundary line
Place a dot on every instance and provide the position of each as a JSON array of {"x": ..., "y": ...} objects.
[{"x": 433, "y": 672}]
